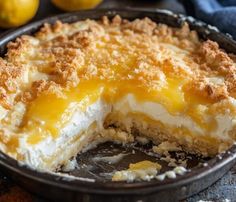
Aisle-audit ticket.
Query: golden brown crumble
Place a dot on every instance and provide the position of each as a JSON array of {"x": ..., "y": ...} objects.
[
  {"x": 67, "y": 54},
  {"x": 201, "y": 87},
  {"x": 145, "y": 25},
  {"x": 39, "y": 87},
  {"x": 66, "y": 50},
  {"x": 10, "y": 76}
]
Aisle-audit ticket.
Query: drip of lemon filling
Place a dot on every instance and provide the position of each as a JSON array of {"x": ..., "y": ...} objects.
[{"x": 48, "y": 114}]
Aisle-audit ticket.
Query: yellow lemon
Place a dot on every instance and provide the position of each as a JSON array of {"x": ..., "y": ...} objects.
[
  {"x": 14, "y": 13},
  {"x": 74, "y": 5}
]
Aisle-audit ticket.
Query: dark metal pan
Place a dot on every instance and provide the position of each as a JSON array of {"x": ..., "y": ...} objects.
[{"x": 66, "y": 189}]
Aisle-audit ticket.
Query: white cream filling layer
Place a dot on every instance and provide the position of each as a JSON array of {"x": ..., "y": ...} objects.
[
  {"x": 225, "y": 122},
  {"x": 80, "y": 121},
  {"x": 97, "y": 112},
  {"x": 156, "y": 112}
]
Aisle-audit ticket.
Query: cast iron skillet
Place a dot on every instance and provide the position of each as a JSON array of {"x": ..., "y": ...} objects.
[{"x": 64, "y": 189}]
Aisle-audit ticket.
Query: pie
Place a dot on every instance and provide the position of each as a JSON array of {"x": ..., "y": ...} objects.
[{"x": 70, "y": 87}]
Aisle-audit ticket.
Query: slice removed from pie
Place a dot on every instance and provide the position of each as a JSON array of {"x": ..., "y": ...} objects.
[{"x": 72, "y": 86}]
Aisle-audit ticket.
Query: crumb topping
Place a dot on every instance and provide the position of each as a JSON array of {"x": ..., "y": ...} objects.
[
  {"x": 115, "y": 50},
  {"x": 156, "y": 62}
]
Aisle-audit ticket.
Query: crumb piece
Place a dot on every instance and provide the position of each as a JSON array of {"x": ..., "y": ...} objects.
[
  {"x": 142, "y": 140},
  {"x": 70, "y": 165},
  {"x": 143, "y": 170},
  {"x": 166, "y": 146}
]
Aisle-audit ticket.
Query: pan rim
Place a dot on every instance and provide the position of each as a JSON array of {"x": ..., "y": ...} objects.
[{"x": 215, "y": 164}]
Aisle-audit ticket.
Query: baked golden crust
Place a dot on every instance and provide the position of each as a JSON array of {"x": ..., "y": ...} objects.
[{"x": 156, "y": 59}]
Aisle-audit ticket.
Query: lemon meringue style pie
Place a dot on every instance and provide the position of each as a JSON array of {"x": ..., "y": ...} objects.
[{"x": 72, "y": 86}]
